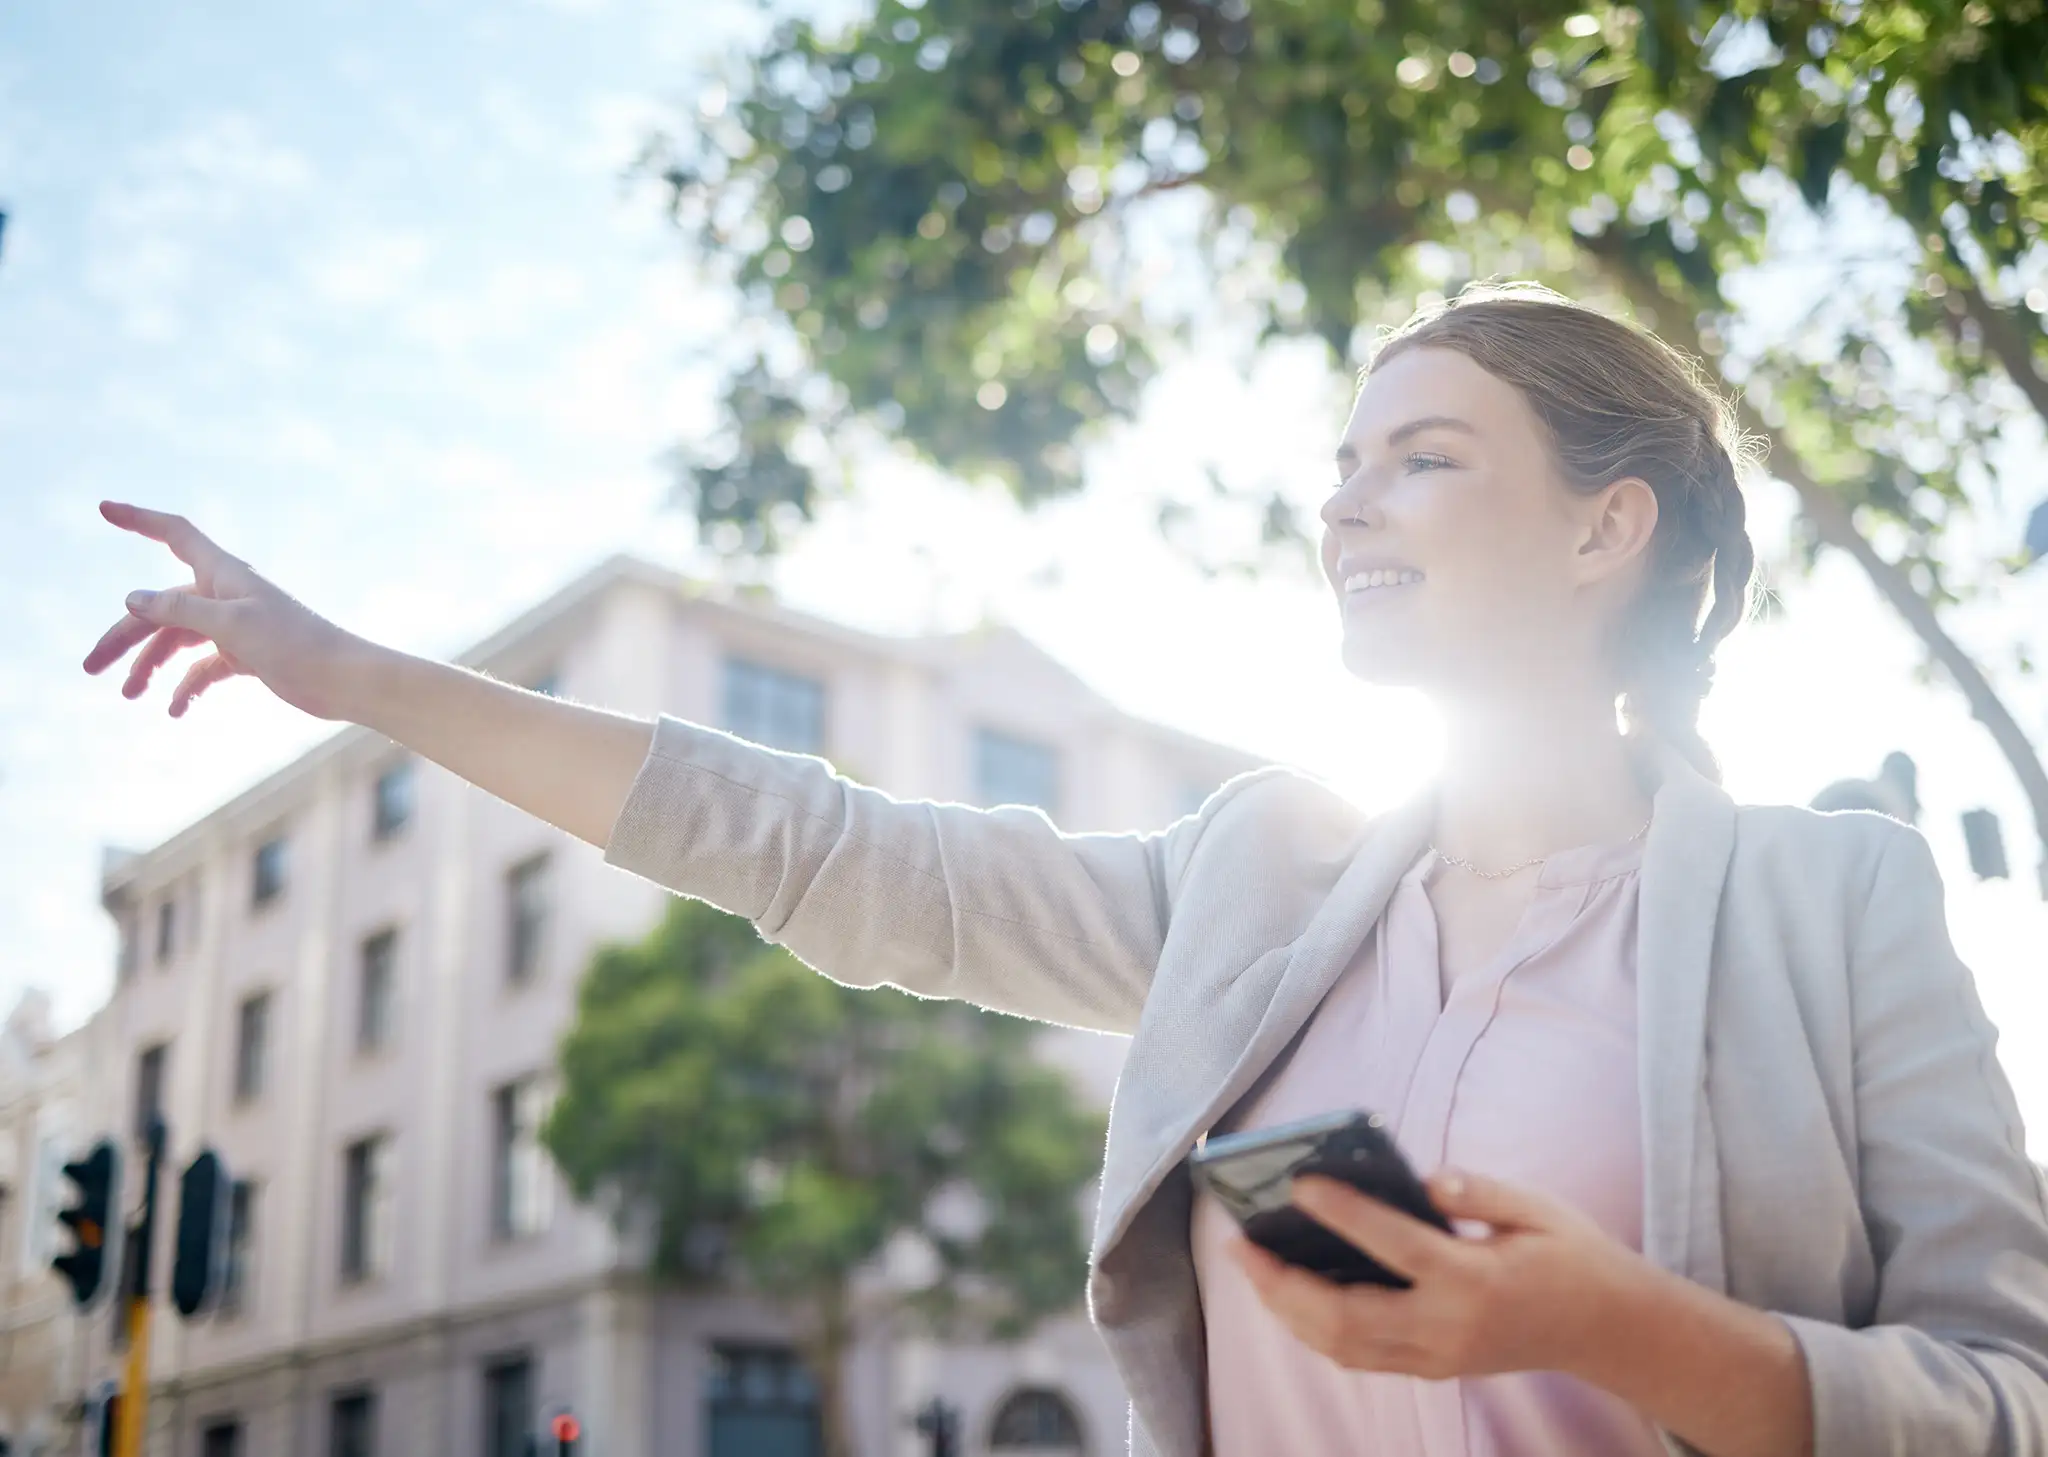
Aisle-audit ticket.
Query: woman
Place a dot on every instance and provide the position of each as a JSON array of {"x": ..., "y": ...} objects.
[{"x": 1735, "y": 1169}]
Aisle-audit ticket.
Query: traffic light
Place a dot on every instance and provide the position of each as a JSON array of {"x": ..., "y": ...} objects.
[
  {"x": 1986, "y": 844},
  {"x": 93, "y": 1220},
  {"x": 201, "y": 1257},
  {"x": 940, "y": 1421}
]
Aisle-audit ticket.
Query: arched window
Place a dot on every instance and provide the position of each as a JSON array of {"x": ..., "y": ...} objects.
[{"x": 1034, "y": 1419}]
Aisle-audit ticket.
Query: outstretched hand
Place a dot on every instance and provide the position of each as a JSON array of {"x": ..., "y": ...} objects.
[{"x": 252, "y": 626}]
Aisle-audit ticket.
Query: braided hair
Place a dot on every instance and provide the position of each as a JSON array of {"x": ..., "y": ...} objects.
[{"x": 1617, "y": 401}]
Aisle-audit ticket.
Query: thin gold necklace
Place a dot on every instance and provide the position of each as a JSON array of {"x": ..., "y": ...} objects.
[{"x": 1470, "y": 868}]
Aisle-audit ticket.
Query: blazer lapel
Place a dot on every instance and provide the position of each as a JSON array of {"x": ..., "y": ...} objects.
[
  {"x": 1301, "y": 977},
  {"x": 1328, "y": 945},
  {"x": 1685, "y": 865}
]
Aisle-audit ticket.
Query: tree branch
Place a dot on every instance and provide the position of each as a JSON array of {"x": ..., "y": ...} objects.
[
  {"x": 1832, "y": 519},
  {"x": 2005, "y": 341}
]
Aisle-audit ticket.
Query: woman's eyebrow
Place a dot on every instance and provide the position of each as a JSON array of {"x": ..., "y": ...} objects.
[
  {"x": 1348, "y": 456},
  {"x": 1429, "y": 422}
]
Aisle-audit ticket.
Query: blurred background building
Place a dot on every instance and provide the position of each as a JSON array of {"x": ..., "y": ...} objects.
[
  {"x": 41, "y": 1083},
  {"x": 351, "y": 981}
]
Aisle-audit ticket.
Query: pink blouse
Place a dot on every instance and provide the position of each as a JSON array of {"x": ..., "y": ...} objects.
[{"x": 1525, "y": 1070}]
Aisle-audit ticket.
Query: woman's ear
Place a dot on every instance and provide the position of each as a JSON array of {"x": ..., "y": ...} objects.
[{"x": 1620, "y": 522}]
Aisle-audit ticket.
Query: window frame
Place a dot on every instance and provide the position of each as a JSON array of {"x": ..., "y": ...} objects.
[
  {"x": 773, "y": 688},
  {"x": 1069, "y": 1413},
  {"x": 238, "y": 1252},
  {"x": 364, "y": 1244},
  {"x": 991, "y": 744},
  {"x": 388, "y": 938},
  {"x": 519, "y": 1207},
  {"x": 266, "y": 891},
  {"x": 496, "y": 1367},
  {"x": 383, "y": 827},
  {"x": 252, "y": 1070},
  {"x": 212, "y": 1428},
  {"x": 526, "y": 937},
  {"x": 358, "y": 1398},
  {"x": 166, "y": 941}
]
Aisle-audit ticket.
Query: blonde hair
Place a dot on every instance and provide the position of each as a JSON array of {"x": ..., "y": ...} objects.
[{"x": 1617, "y": 401}]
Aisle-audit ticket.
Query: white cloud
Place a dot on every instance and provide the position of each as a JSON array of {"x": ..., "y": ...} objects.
[
  {"x": 604, "y": 386},
  {"x": 371, "y": 268},
  {"x": 171, "y": 206},
  {"x": 616, "y": 126}
]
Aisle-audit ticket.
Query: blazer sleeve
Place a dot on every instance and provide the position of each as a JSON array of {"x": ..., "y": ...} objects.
[
  {"x": 994, "y": 907},
  {"x": 1955, "y": 1360}
]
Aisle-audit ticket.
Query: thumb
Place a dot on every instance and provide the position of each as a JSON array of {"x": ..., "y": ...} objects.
[
  {"x": 1463, "y": 1195},
  {"x": 180, "y": 607}
]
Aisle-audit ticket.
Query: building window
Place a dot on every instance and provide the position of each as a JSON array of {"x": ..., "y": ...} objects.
[
  {"x": 526, "y": 900},
  {"x": 761, "y": 1399},
  {"x": 166, "y": 930},
  {"x": 508, "y": 1405},
  {"x": 149, "y": 1087},
  {"x": 221, "y": 1437},
  {"x": 377, "y": 991},
  {"x": 365, "y": 1209},
  {"x": 518, "y": 1163},
  {"x": 130, "y": 954},
  {"x": 252, "y": 1047},
  {"x": 352, "y": 1425},
  {"x": 1015, "y": 771},
  {"x": 238, "y": 1273},
  {"x": 391, "y": 801},
  {"x": 268, "y": 874},
  {"x": 1035, "y": 1420},
  {"x": 768, "y": 706}
]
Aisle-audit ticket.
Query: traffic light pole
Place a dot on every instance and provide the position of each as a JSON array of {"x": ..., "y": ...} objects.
[{"x": 132, "y": 1417}]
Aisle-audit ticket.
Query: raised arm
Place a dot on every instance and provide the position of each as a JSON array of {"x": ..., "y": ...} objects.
[
  {"x": 993, "y": 907},
  {"x": 566, "y": 764}
]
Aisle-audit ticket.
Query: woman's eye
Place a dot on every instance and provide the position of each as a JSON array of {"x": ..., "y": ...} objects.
[{"x": 1421, "y": 461}]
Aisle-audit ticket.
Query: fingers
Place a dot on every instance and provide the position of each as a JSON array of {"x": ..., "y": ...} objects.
[
  {"x": 202, "y": 676},
  {"x": 186, "y": 541},
  {"x": 184, "y": 607},
  {"x": 155, "y": 653},
  {"x": 115, "y": 643},
  {"x": 1401, "y": 1242},
  {"x": 1504, "y": 1206}
]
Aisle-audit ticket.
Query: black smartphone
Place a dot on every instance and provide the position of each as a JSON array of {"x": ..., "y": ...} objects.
[{"x": 1249, "y": 1173}]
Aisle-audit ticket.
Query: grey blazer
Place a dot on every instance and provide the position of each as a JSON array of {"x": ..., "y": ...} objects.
[{"x": 1826, "y": 1134}]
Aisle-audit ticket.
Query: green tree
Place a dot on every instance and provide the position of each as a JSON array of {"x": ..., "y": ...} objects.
[
  {"x": 943, "y": 202},
  {"x": 775, "y": 1131}
]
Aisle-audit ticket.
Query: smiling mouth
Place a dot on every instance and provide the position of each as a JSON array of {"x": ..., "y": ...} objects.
[{"x": 1360, "y": 584}]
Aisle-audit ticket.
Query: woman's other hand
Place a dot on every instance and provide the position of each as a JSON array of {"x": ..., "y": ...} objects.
[
  {"x": 1535, "y": 1293},
  {"x": 253, "y": 627}
]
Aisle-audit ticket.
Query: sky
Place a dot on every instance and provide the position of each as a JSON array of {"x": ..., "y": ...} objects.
[{"x": 363, "y": 292}]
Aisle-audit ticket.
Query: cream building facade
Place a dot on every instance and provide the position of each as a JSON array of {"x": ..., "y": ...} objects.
[
  {"x": 351, "y": 979},
  {"x": 41, "y": 1120}
]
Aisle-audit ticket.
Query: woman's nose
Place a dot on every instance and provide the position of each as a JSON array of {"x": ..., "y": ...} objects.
[{"x": 1348, "y": 503}]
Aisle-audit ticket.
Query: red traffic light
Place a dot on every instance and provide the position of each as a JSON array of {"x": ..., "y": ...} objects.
[{"x": 566, "y": 1428}]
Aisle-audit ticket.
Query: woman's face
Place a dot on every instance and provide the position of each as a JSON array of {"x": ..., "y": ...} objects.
[{"x": 1460, "y": 558}]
